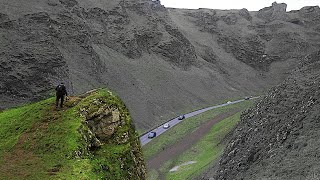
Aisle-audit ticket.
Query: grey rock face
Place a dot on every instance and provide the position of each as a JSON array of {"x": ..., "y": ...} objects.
[
  {"x": 277, "y": 138},
  {"x": 249, "y": 50},
  {"x": 29, "y": 57},
  {"x": 207, "y": 21},
  {"x": 178, "y": 50},
  {"x": 104, "y": 122},
  {"x": 274, "y": 12},
  {"x": 32, "y": 58},
  {"x": 245, "y": 14},
  {"x": 159, "y": 60},
  {"x": 3, "y": 17},
  {"x": 310, "y": 15},
  {"x": 230, "y": 19}
]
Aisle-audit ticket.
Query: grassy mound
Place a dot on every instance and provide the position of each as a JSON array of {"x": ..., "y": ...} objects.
[{"x": 90, "y": 138}]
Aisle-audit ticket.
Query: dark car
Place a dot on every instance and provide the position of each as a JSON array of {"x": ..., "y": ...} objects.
[
  {"x": 181, "y": 117},
  {"x": 152, "y": 135}
]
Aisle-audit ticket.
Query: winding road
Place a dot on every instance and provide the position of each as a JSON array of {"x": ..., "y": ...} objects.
[{"x": 159, "y": 130}]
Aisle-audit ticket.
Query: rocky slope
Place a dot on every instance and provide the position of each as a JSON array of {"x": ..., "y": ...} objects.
[
  {"x": 160, "y": 61},
  {"x": 91, "y": 138},
  {"x": 280, "y": 137}
]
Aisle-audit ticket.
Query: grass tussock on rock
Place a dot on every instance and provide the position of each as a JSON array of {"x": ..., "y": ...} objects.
[{"x": 91, "y": 138}]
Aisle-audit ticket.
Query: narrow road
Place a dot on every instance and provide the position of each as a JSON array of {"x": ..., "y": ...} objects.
[
  {"x": 159, "y": 130},
  {"x": 187, "y": 142}
]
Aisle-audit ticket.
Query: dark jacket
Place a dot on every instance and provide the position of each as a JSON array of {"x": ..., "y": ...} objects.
[{"x": 61, "y": 90}]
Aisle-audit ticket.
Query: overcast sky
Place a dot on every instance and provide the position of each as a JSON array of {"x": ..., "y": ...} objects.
[{"x": 251, "y": 5}]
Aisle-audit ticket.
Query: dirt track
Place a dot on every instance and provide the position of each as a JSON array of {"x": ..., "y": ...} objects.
[{"x": 186, "y": 142}]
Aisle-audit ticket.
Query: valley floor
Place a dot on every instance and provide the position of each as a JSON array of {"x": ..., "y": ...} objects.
[{"x": 200, "y": 140}]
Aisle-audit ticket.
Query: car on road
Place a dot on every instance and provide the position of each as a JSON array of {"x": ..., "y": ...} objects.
[
  {"x": 228, "y": 102},
  {"x": 247, "y": 98},
  {"x": 181, "y": 117},
  {"x": 166, "y": 126},
  {"x": 152, "y": 135}
]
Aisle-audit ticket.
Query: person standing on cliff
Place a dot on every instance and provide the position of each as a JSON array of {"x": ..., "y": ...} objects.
[{"x": 61, "y": 91}]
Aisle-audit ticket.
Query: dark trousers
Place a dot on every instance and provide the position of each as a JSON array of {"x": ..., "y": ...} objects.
[{"x": 61, "y": 98}]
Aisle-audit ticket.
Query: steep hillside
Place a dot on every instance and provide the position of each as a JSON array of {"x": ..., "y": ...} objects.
[
  {"x": 160, "y": 61},
  {"x": 280, "y": 137},
  {"x": 91, "y": 138}
]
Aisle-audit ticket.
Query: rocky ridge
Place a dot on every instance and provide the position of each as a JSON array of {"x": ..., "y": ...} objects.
[
  {"x": 274, "y": 12},
  {"x": 279, "y": 137}
]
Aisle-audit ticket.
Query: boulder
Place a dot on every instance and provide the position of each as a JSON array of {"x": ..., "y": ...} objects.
[
  {"x": 245, "y": 14},
  {"x": 274, "y": 12}
]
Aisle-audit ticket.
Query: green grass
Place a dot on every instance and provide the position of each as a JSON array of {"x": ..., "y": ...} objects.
[
  {"x": 204, "y": 152},
  {"x": 14, "y": 122},
  {"x": 51, "y": 139}
]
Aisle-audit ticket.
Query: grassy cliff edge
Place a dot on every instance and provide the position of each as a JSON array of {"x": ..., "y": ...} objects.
[{"x": 92, "y": 137}]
